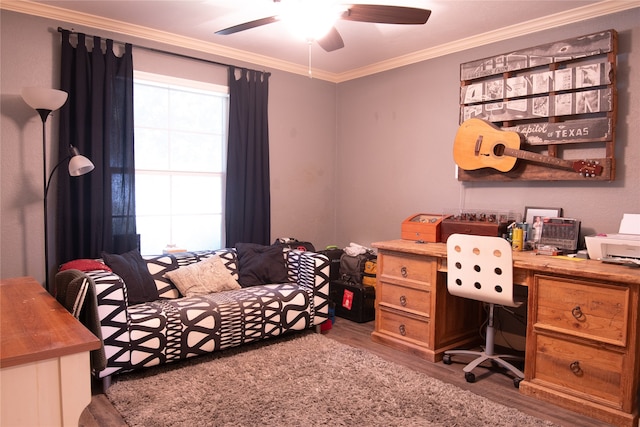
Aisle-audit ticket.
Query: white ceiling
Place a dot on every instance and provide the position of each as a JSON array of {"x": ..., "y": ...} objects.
[{"x": 453, "y": 25}]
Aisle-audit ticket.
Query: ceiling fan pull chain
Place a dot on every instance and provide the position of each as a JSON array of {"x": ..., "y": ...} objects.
[{"x": 310, "y": 73}]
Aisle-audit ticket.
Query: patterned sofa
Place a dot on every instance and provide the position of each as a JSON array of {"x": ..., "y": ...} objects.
[{"x": 174, "y": 327}]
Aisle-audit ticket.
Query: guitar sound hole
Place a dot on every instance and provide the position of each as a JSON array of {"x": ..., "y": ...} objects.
[{"x": 498, "y": 150}]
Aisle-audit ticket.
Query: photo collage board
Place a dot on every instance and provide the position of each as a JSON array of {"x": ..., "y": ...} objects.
[{"x": 556, "y": 96}]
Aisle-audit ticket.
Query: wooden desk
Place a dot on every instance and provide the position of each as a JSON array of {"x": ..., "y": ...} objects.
[
  {"x": 583, "y": 325},
  {"x": 44, "y": 358}
]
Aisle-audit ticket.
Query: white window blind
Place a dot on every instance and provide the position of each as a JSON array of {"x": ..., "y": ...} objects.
[{"x": 180, "y": 157}]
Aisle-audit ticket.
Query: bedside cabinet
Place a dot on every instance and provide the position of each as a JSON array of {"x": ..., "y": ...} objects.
[{"x": 45, "y": 373}]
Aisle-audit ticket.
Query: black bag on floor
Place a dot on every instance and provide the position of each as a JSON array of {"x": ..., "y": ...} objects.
[
  {"x": 292, "y": 243},
  {"x": 353, "y": 301},
  {"x": 334, "y": 254},
  {"x": 352, "y": 267}
]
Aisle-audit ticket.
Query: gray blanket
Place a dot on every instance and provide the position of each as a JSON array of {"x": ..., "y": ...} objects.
[{"x": 77, "y": 293}]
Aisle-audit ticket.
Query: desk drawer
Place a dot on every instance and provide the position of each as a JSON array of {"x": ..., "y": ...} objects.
[
  {"x": 594, "y": 373},
  {"x": 407, "y": 267},
  {"x": 589, "y": 310},
  {"x": 409, "y": 328},
  {"x": 404, "y": 298}
]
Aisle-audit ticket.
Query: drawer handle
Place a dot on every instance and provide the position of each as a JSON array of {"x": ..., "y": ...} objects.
[
  {"x": 403, "y": 271},
  {"x": 403, "y": 330},
  {"x": 577, "y": 313},
  {"x": 403, "y": 301},
  {"x": 576, "y": 369}
]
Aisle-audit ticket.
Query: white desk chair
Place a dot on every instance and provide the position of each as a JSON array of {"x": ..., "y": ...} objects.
[{"x": 481, "y": 268}]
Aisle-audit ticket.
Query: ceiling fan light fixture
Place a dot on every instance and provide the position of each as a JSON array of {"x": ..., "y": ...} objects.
[
  {"x": 314, "y": 20},
  {"x": 310, "y": 19}
]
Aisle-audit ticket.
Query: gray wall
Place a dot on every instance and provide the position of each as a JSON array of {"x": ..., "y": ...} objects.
[
  {"x": 396, "y": 132},
  {"x": 349, "y": 161},
  {"x": 302, "y": 133}
]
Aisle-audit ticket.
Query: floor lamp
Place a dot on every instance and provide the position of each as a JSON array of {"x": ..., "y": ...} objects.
[{"x": 44, "y": 101}]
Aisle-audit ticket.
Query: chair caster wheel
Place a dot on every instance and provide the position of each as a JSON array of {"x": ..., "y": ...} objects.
[
  {"x": 470, "y": 377},
  {"x": 516, "y": 382},
  {"x": 446, "y": 359}
]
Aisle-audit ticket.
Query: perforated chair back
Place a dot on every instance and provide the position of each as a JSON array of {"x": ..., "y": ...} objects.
[{"x": 480, "y": 268}]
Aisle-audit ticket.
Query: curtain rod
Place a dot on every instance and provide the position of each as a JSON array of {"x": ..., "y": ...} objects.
[{"x": 180, "y": 55}]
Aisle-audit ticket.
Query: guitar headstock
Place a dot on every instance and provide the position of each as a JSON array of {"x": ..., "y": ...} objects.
[{"x": 587, "y": 169}]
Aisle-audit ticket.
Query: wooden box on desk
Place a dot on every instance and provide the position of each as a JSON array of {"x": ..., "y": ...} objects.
[
  {"x": 422, "y": 227},
  {"x": 479, "y": 228}
]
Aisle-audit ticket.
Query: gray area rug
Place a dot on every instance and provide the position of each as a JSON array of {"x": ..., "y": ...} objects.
[{"x": 300, "y": 380}]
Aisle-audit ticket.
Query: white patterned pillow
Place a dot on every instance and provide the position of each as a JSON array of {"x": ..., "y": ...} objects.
[{"x": 203, "y": 277}]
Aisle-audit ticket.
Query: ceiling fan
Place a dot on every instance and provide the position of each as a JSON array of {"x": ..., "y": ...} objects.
[{"x": 328, "y": 38}]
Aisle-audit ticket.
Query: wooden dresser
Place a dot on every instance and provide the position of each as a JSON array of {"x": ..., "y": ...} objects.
[
  {"x": 45, "y": 376},
  {"x": 583, "y": 327},
  {"x": 413, "y": 313}
]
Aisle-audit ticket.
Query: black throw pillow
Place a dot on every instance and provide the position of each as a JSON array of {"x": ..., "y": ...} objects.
[
  {"x": 133, "y": 270},
  {"x": 260, "y": 265}
]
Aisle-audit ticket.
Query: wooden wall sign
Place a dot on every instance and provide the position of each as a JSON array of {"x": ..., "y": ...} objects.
[{"x": 561, "y": 97}]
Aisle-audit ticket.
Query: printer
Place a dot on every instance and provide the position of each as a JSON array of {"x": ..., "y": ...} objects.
[{"x": 620, "y": 248}]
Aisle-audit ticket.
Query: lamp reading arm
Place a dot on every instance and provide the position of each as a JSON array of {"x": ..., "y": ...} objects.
[{"x": 78, "y": 165}]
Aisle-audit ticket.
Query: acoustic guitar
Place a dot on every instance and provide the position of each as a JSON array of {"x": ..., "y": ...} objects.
[{"x": 481, "y": 144}]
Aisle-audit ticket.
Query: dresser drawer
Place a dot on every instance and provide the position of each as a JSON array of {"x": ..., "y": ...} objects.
[
  {"x": 590, "y": 372},
  {"x": 589, "y": 310},
  {"x": 405, "y": 298},
  {"x": 407, "y": 267},
  {"x": 405, "y": 327}
]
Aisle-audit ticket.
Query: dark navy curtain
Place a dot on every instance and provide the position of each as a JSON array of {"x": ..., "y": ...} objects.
[
  {"x": 248, "y": 196},
  {"x": 96, "y": 213}
]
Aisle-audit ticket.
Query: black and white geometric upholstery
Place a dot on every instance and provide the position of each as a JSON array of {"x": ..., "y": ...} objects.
[{"x": 174, "y": 327}]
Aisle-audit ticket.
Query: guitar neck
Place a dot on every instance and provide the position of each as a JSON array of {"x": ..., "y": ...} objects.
[{"x": 539, "y": 158}]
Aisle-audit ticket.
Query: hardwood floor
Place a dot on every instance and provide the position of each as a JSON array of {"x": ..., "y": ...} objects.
[{"x": 495, "y": 386}]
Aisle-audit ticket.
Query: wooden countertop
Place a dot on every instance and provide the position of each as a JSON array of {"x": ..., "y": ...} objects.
[
  {"x": 35, "y": 327},
  {"x": 527, "y": 260}
]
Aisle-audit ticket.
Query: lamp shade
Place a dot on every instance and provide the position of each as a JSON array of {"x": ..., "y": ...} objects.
[
  {"x": 41, "y": 98},
  {"x": 79, "y": 164}
]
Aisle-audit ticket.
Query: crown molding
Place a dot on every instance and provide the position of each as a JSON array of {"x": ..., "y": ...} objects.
[
  {"x": 605, "y": 7},
  {"x": 150, "y": 34}
]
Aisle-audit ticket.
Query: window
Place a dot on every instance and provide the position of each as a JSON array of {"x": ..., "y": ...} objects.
[{"x": 180, "y": 156}]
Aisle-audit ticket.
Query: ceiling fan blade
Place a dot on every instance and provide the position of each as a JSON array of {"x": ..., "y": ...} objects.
[
  {"x": 331, "y": 41},
  {"x": 248, "y": 25},
  {"x": 382, "y": 14}
]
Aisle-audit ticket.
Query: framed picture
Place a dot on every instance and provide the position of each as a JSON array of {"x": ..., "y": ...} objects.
[{"x": 535, "y": 217}]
